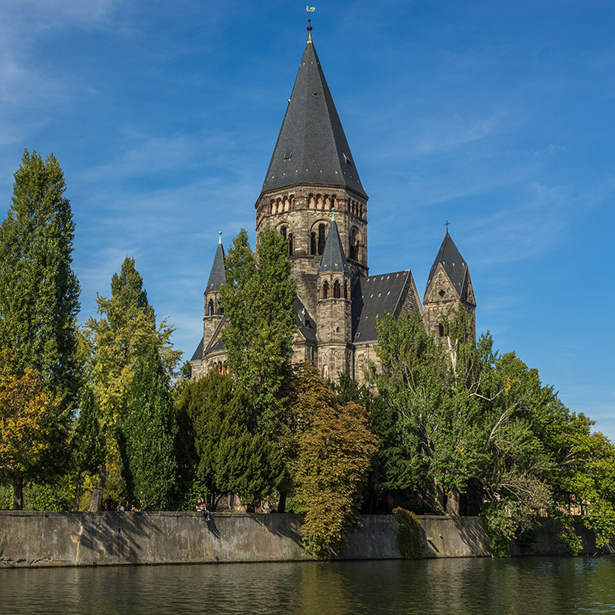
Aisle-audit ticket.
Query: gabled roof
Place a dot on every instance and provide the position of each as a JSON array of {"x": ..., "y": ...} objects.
[
  {"x": 333, "y": 257},
  {"x": 198, "y": 353},
  {"x": 373, "y": 296},
  {"x": 305, "y": 323},
  {"x": 453, "y": 264},
  {"x": 312, "y": 147},
  {"x": 217, "y": 277}
]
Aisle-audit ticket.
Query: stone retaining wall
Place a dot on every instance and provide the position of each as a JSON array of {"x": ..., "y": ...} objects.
[{"x": 111, "y": 538}]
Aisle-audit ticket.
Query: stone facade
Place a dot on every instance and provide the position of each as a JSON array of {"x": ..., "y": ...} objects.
[{"x": 312, "y": 196}]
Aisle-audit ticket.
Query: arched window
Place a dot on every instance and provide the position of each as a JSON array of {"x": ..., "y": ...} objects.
[
  {"x": 313, "y": 243},
  {"x": 283, "y": 232},
  {"x": 321, "y": 238},
  {"x": 210, "y": 308},
  {"x": 325, "y": 290},
  {"x": 290, "y": 244},
  {"x": 345, "y": 289},
  {"x": 336, "y": 289},
  {"x": 219, "y": 309},
  {"x": 354, "y": 244}
]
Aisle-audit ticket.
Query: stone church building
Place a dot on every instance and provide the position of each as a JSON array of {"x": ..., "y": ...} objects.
[{"x": 313, "y": 196}]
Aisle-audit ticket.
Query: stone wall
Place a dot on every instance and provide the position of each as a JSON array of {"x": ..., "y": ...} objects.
[{"x": 110, "y": 538}]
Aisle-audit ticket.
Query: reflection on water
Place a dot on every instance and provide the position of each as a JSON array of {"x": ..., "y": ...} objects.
[{"x": 431, "y": 587}]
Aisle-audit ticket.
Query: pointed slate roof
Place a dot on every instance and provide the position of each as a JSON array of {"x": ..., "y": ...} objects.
[
  {"x": 333, "y": 257},
  {"x": 312, "y": 147},
  {"x": 218, "y": 275},
  {"x": 451, "y": 260}
]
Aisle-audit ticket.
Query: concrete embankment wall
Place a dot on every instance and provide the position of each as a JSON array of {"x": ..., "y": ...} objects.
[{"x": 110, "y": 538}]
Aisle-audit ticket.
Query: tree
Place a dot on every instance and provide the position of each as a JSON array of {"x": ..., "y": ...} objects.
[
  {"x": 39, "y": 292},
  {"x": 335, "y": 450},
  {"x": 234, "y": 456},
  {"x": 28, "y": 417},
  {"x": 125, "y": 332},
  {"x": 88, "y": 445},
  {"x": 467, "y": 415},
  {"x": 148, "y": 436},
  {"x": 258, "y": 298}
]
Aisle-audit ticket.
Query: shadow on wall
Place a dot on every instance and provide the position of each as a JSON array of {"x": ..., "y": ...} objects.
[{"x": 114, "y": 534}]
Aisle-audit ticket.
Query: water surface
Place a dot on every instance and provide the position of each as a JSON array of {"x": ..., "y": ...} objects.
[{"x": 524, "y": 586}]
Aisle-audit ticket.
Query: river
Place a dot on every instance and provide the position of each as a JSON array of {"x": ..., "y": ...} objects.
[{"x": 544, "y": 586}]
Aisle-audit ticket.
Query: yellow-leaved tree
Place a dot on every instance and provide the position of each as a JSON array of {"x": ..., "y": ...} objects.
[{"x": 28, "y": 420}]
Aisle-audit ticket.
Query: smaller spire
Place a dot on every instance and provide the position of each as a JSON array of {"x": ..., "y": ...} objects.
[
  {"x": 333, "y": 257},
  {"x": 217, "y": 277}
]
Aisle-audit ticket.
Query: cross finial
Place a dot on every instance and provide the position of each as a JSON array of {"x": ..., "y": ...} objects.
[{"x": 447, "y": 224}]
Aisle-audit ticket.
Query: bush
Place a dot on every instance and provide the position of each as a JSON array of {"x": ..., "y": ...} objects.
[{"x": 408, "y": 532}]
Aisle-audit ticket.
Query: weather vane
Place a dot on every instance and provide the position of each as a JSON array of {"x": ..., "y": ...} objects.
[{"x": 310, "y": 10}]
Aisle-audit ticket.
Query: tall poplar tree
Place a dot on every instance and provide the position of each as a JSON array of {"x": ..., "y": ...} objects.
[
  {"x": 258, "y": 298},
  {"x": 39, "y": 292}
]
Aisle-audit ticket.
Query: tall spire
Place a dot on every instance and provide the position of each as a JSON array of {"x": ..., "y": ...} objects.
[
  {"x": 312, "y": 147},
  {"x": 217, "y": 277},
  {"x": 333, "y": 257}
]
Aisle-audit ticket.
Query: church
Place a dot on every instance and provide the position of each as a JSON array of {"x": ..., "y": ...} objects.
[{"x": 313, "y": 196}]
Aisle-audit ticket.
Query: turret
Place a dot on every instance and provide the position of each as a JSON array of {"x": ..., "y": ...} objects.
[
  {"x": 334, "y": 307},
  {"x": 449, "y": 288},
  {"x": 214, "y": 313}
]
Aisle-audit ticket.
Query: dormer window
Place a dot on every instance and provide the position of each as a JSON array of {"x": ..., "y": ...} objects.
[
  {"x": 288, "y": 157},
  {"x": 347, "y": 160}
]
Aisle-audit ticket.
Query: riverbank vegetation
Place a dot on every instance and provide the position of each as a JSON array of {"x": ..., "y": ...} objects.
[{"x": 99, "y": 415}]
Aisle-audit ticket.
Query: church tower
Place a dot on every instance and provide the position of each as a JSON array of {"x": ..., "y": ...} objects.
[
  {"x": 334, "y": 307},
  {"x": 311, "y": 173},
  {"x": 214, "y": 314},
  {"x": 449, "y": 287}
]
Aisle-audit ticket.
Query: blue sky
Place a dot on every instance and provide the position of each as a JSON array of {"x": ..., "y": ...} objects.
[{"x": 496, "y": 116}]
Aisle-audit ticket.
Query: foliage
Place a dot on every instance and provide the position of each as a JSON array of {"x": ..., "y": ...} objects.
[
  {"x": 29, "y": 417},
  {"x": 467, "y": 415},
  {"x": 335, "y": 450},
  {"x": 408, "y": 533},
  {"x": 258, "y": 298},
  {"x": 234, "y": 456},
  {"x": 148, "y": 436},
  {"x": 116, "y": 343},
  {"x": 39, "y": 301},
  {"x": 88, "y": 446},
  {"x": 39, "y": 292}
]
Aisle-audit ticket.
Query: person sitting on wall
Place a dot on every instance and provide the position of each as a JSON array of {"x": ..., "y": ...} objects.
[{"x": 202, "y": 507}]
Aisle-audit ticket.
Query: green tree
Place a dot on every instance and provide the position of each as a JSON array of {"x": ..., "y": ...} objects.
[
  {"x": 148, "y": 436},
  {"x": 468, "y": 416},
  {"x": 258, "y": 298},
  {"x": 87, "y": 442},
  {"x": 125, "y": 332},
  {"x": 233, "y": 455},
  {"x": 39, "y": 292}
]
